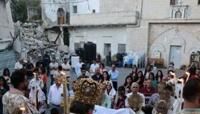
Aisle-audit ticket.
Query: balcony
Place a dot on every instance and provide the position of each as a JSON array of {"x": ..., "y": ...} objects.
[{"x": 98, "y": 19}]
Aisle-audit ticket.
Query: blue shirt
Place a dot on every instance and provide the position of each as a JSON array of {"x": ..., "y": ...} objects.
[{"x": 114, "y": 74}]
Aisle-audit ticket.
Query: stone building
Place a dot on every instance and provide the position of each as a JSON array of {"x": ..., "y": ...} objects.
[
  {"x": 103, "y": 24},
  {"x": 165, "y": 30},
  {"x": 6, "y": 24},
  {"x": 55, "y": 12},
  {"x": 8, "y": 57}
]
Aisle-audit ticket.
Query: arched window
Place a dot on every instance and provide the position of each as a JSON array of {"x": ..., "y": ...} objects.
[
  {"x": 178, "y": 14},
  {"x": 61, "y": 16}
]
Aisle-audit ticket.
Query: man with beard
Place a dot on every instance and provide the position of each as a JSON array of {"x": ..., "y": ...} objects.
[{"x": 14, "y": 101}]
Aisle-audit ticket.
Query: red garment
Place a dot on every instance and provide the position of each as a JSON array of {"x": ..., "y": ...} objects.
[
  {"x": 44, "y": 78},
  {"x": 147, "y": 91},
  {"x": 120, "y": 102}
]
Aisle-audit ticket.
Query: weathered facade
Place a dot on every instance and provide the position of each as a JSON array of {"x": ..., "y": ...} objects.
[
  {"x": 6, "y": 24},
  {"x": 8, "y": 57},
  {"x": 162, "y": 29},
  {"x": 107, "y": 26},
  {"x": 55, "y": 12}
]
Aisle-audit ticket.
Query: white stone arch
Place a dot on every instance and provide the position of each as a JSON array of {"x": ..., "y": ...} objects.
[
  {"x": 167, "y": 39},
  {"x": 177, "y": 39},
  {"x": 188, "y": 39}
]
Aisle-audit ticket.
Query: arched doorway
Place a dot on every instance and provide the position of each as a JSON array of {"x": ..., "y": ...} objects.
[
  {"x": 61, "y": 16},
  {"x": 178, "y": 14}
]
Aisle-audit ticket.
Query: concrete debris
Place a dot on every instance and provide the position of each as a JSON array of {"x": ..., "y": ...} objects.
[{"x": 35, "y": 43}]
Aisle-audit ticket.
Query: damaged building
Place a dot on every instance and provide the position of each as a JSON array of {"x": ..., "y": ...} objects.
[
  {"x": 8, "y": 57},
  {"x": 54, "y": 15}
]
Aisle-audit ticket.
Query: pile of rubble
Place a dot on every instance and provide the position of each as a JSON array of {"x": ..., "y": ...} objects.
[{"x": 35, "y": 43}]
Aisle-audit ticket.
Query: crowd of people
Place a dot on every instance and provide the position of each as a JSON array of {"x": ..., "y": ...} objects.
[{"x": 40, "y": 88}]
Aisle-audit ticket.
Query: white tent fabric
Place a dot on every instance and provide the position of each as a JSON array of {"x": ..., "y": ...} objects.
[{"x": 103, "y": 110}]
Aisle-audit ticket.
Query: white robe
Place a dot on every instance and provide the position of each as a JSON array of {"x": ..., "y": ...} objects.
[
  {"x": 41, "y": 98},
  {"x": 103, "y": 110}
]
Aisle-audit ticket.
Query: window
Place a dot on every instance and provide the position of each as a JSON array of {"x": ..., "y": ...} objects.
[
  {"x": 172, "y": 2},
  {"x": 61, "y": 16},
  {"x": 107, "y": 49},
  {"x": 75, "y": 9},
  {"x": 198, "y": 2},
  {"x": 121, "y": 48},
  {"x": 178, "y": 14}
]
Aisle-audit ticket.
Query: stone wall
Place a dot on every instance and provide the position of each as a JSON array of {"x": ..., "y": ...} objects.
[
  {"x": 162, "y": 36},
  {"x": 50, "y": 9},
  {"x": 85, "y": 6},
  {"x": 119, "y": 5},
  {"x": 161, "y": 9},
  {"x": 100, "y": 36},
  {"x": 6, "y": 22},
  {"x": 158, "y": 28}
]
